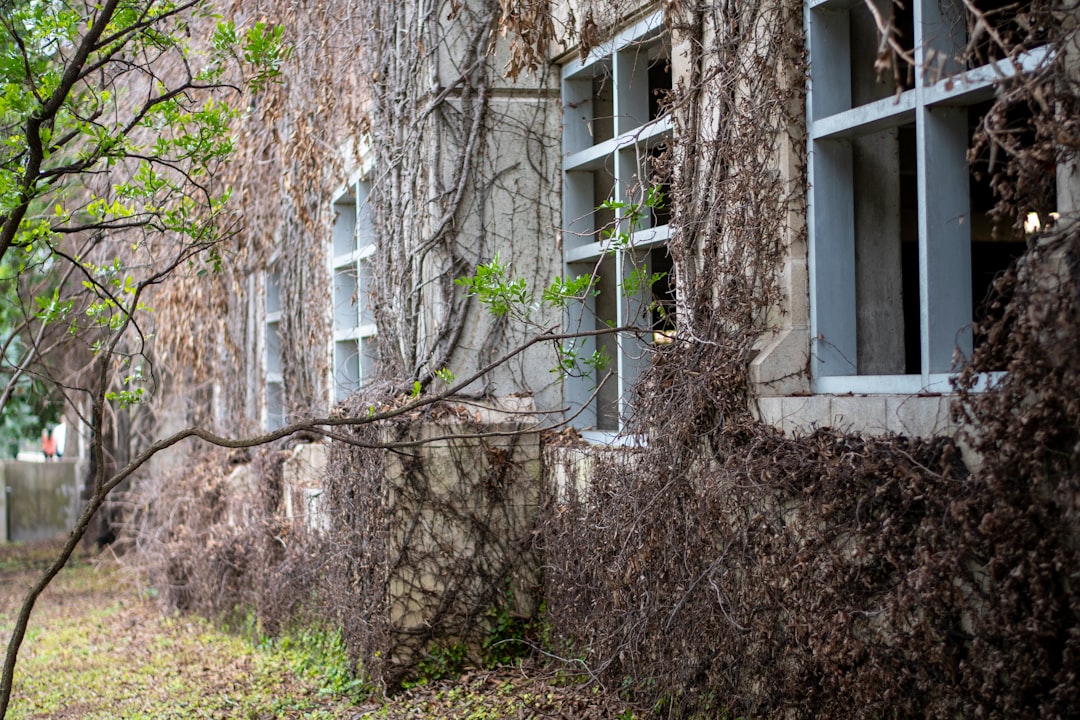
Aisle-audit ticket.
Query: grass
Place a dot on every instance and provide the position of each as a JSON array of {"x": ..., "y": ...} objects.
[{"x": 96, "y": 650}]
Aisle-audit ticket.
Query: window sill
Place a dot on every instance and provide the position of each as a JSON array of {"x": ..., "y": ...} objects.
[
  {"x": 930, "y": 384},
  {"x": 908, "y": 415},
  {"x": 612, "y": 439}
]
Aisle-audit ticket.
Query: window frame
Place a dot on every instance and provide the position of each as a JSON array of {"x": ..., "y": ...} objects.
[
  {"x": 352, "y": 321},
  {"x": 945, "y": 312},
  {"x": 583, "y": 247},
  {"x": 273, "y": 409}
]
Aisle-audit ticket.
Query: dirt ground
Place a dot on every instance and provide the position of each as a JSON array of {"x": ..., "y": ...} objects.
[{"x": 99, "y": 647}]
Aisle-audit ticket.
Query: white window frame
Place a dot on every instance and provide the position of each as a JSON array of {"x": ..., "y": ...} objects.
[
  {"x": 274, "y": 391},
  {"x": 350, "y": 246},
  {"x": 938, "y": 107},
  {"x": 623, "y": 155}
]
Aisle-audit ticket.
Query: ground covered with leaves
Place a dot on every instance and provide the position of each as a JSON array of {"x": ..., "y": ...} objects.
[{"x": 100, "y": 648}]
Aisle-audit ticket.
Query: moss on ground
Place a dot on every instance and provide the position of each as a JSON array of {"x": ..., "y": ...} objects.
[{"x": 97, "y": 649}]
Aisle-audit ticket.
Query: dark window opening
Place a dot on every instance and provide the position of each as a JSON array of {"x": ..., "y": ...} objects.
[
  {"x": 998, "y": 240},
  {"x": 603, "y": 108},
  {"x": 659, "y": 84},
  {"x": 909, "y": 249},
  {"x": 870, "y": 80},
  {"x": 1008, "y": 19},
  {"x": 662, "y": 305}
]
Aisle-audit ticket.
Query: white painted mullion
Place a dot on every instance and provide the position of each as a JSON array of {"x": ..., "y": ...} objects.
[
  {"x": 944, "y": 236},
  {"x": 831, "y": 206},
  {"x": 590, "y": 158},
  {"x": 623, "y": 180},
  {"x": 943, "y": 198},
  {"x": 865, "y": 119},
  {"x": 622, "y": 339}
]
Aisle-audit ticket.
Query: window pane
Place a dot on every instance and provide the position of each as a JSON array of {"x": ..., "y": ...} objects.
[
  {"x": 995, "y": 246},
  {"x": 876, "y": 75},
  {"x": 365, "y": 232},
  {"x": 273, "y": 291},
  {"x": 602, "y": 125},
  {"x": 659, "y": 79},
  {"x": 662, "y": 307},
  {"x": 346, "y": 368},
  {"x": 273, "y": 348},
  {"x": 345, "y": 315},
  {"x": 275, "y": 405},
  {"x": 344, "y": 226},
  {"x": 886, "y": 252},
  {"x": 367, "y": 357},
  {"x": 603, "y": 191},
  {"x": 364, "y": 292}
]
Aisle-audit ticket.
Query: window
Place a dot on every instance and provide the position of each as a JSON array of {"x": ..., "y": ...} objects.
[
  {"x": 274, "y": 405},
  {"x": 352, "y": 245},
  {"x": 613, "y": 132},
  {"x": 901, "y": 250}
]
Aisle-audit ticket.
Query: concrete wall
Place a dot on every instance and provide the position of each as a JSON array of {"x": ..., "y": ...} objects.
[
  {"x": 302, "y": 479},
  {"x": 41, "y": 499},
  {"x": 457, "y": 514}
]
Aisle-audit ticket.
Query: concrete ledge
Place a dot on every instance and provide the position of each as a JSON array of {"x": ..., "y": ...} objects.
[
  {"x": 780, "y": 368},
  {"x": 910, "y": 415}
]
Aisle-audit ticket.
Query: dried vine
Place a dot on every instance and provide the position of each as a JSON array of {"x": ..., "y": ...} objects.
[
  {"x": 432, "y": 543},
  {"x": 734, "y": 570},
  {"x": 450, "y": 152},
  {"x": 290, "y": 159},
  {"x": 729, "y": 568}
]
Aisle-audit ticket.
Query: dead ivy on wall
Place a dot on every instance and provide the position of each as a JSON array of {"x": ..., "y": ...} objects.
[
  {"x": 433, "y": 543},
  {"x": 461, "y": 170},
  {"x": 733, "y": 570},
  {"x": 292, "y": 154},
  {"x": 457, "y": 161},
  {"x": 725, "y": 567},
  {"x": 425, "y": 152},
  {"x": 210, "y": 537}
]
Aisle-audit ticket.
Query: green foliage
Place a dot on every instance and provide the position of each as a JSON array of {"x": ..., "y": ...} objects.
[
  {"x": 562, "y": 291},
  {"x": 495, "y": 286},
  {"x": 319, "y": 656},
  {"x": 446, "y": 376},
  {"x": 111, "y": 656},
  {"x": 441, "y": 661},
  {"x": 511, "y": 637},
  {"x": 639, "y": 280},
  {"x": 571, "y": 361},
  {"x": 33, "y": 403},
  {"x": 108, "y": 144}
]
